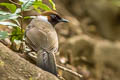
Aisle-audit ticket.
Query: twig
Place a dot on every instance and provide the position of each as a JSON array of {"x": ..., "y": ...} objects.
[
  {"x": 70, "y": 71},
  {"x": 21, "y": 14},
  {"x": 14, "y": 2},
  {"x": 60, "y": 77},
  {"x": 21, "y": 20},
  {"x": 21, "y": 25},
  {"x": 34, "y": 57}
]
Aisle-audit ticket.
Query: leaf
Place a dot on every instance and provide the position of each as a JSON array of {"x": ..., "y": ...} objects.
[
  {"x": 18, "y": 10},
  {"x": 39, "y": 0},
  {"x": 10, "y": 6},
  {"x": 53, "y": 4},
  {"x": 4, "y": 13},
  {"x": 3, "y": 34},
  {"x": 41, "y": 5},
  {"x": 9, "y": 16},
  {"x": 17, "y": 34},
  {"x": 29, "y": 17},
  {"x": 36, "y": 8},
  {"x": 26, "y": 4},
  {"x": 8, "y": 24}
]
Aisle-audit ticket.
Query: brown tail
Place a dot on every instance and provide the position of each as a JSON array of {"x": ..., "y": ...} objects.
[{"x": 46, "y": 61}]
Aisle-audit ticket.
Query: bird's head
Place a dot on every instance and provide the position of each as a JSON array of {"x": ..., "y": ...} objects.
[{"x": 53, "y": 17}]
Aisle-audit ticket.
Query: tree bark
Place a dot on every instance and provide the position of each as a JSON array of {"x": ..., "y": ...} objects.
[{"x": 13, "y": 67}]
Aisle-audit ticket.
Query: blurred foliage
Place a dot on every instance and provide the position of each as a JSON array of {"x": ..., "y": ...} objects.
[
  {"x": 3, "y": 34},
  {"x": 28, "y": 17},
  {"x": 52, "y": 3},
  {"x": 16, "y": 13},
  {"x": 17, "y": 34},
  {"x": 116, "y": 2},
  {"x": 11, "y": 7},
  {"x": 8, "y": 24},
  {"x": 39, "y": 4}
]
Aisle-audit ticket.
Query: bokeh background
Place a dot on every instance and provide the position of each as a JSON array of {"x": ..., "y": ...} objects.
[{"x": 90, "y": 42}]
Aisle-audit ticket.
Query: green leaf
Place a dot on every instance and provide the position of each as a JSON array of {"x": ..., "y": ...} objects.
[
  {"x": 4, "y": 13},
  {"x": 17, "y": 34},
  {"x": 38, "y": 0},
  {"x": 26, "y": 4},
  {"x": 53, "y": 4},
  {"x": 10, "y": 6},
  {"x": 36, "y": 8},
  {"x": 8, "y": 17},
  {"x": 8, "y": 24},
  {"x": 29, "y": 17},
  {"x": 41, "y": 5},
  {"x": 3, "y": 34}
]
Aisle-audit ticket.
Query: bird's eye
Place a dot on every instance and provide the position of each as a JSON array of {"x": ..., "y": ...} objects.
[{"x": 55, "y": 17}]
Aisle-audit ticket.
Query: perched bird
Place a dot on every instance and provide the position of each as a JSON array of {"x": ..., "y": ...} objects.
[{"x": 41, "y": 36}]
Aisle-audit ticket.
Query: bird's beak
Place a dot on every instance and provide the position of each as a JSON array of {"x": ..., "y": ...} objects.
[{"x": 64, "y": 20}]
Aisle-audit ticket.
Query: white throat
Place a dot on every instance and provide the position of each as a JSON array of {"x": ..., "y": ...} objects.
[{"x": 44, "y": 18}]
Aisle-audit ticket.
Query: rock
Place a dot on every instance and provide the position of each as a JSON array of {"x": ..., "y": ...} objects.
[
  {"x": 80, "y": 48},
  {"x": 107, "y": 57},
  {"x": 13, "y": 67},
  {"x": 79, "y": 51},
  {"x": 102, "y": 13},
  {"x": 106, "y": 16}
]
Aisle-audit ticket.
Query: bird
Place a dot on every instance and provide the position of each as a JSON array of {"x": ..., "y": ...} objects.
[{"x": 42, "y": 38}]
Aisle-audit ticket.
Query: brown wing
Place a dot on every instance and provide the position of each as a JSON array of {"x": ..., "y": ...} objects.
[{"x": 36, "y": 38}]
